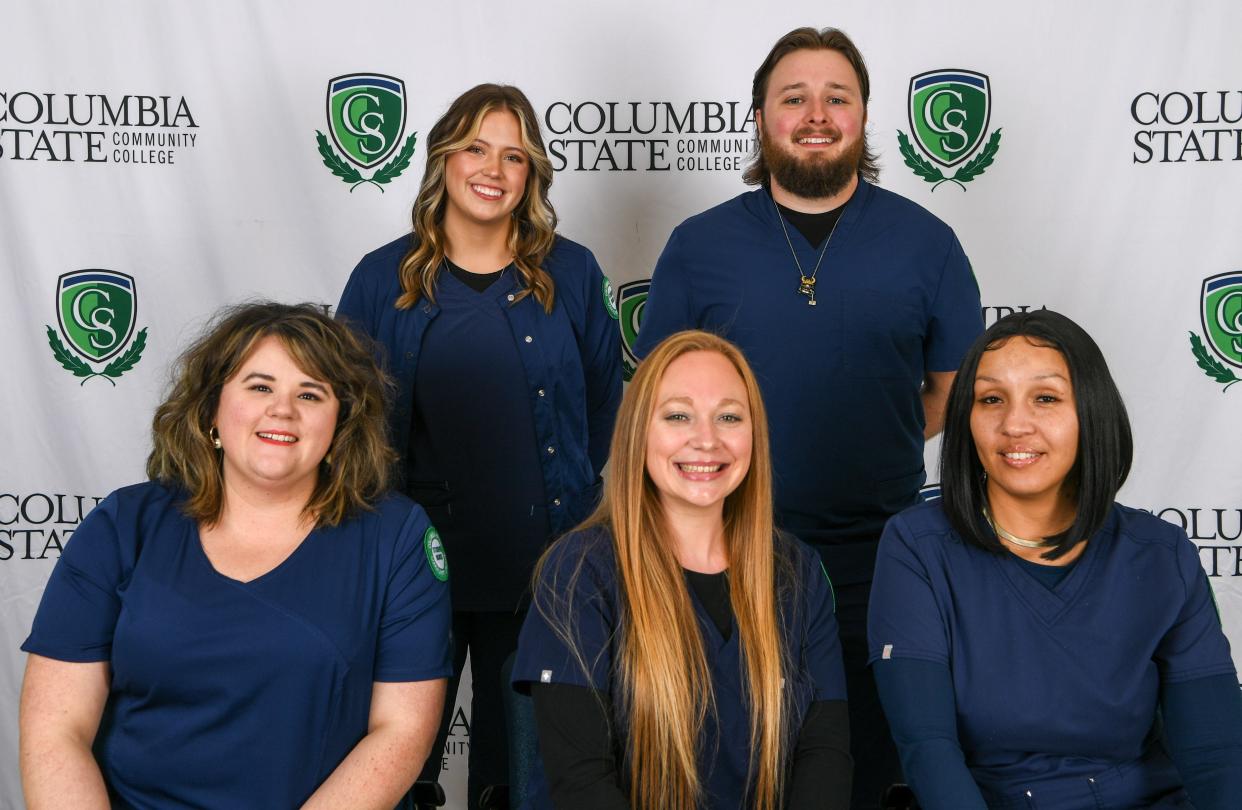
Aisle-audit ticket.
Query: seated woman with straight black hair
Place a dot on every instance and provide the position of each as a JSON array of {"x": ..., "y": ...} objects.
[{"x": 1037, "y": 645}]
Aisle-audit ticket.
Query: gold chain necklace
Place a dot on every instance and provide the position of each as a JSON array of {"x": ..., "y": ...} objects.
[{"x": 806, "y": 285}]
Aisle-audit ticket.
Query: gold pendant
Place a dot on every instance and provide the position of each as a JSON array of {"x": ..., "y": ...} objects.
[{"x": 807, "y": 288}]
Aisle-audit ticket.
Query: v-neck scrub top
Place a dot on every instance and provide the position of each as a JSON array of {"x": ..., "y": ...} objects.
[
  {"x": 240, "y": 694},
  {"x": 1056, "y": 688},
  {"x": 568, "y": 371},
  {"x": 594, "y": 604},
  {"x": 473, "y": 460},
  {"x": 841, "y": 380}
]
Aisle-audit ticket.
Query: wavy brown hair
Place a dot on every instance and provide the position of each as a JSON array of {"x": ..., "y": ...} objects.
[
  {"x": 533, "y": 228},
  {"x": 665, "y": 682},
  {"x": 328, "y": 350},
  {"x": 808, "y": 39}
]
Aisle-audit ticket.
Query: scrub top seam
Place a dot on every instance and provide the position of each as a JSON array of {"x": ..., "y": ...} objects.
[{"x": 251, "y": 592}]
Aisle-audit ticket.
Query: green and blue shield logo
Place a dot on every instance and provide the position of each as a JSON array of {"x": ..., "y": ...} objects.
[
  {"x": 949, "y": 114},
  {"x": 366, "y": 119},
  {"x": 1220, "y": 312},
  {"x": 96, "y": 311},
  {"x": 366, "y": 116},
  {"x": 631, "y": 300}
]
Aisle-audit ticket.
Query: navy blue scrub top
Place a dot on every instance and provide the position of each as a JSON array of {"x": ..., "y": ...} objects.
[
  {"x": 841, "y": 380},
  {"x": 473, "y": 461},
  {"x": 592, "y": 602},
  {"x": 1056, "y": 688},
  {"x": 232, "y": 694}
]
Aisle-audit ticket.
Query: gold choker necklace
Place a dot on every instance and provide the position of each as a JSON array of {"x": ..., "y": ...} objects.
[{"x": 1013, "y": 538}]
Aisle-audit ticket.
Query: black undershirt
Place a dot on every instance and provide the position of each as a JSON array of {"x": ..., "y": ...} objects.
[
  {"x": 713, "y": 593},
  {"x": 1048, "y": 575},
  {"x": 815, "y": 227},
  {"x": 578, "y": 747},
  {"x": 475, "y": 281},
  {"x": 580, "y": 754}
]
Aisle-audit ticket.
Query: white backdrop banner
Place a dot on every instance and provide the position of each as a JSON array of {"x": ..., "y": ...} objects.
[{"x": 180, "y": 156}]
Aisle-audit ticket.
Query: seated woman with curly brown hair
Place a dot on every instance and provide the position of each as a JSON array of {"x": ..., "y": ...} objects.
[{"x": 258, "y": 625}]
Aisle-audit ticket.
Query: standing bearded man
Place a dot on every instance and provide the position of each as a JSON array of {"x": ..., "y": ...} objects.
[{"x": 854, "y": 306}]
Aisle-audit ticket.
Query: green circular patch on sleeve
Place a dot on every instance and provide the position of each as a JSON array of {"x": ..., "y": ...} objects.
[
  {"x": 435, "y": 553},
  {"x": 610, "y": 303}
]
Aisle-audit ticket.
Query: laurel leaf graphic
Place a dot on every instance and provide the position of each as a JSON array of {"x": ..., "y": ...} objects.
[
  {"x": 333, "y": 161},
  {"x": 67, "y": 360},
  {"x": 1210, "y": 365},
  {"x": 920, "y": 165},
  {"x": 400, "y": 163},
  {"x": 129, "y": 359},
  {"x": 975, "y": 166}
]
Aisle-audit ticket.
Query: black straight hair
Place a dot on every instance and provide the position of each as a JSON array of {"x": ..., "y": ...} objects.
[{"x": 1105, "y": 445}]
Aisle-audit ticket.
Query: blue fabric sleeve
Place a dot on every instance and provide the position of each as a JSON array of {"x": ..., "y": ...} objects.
[
  {"x": 1195, "y": 646},
  {"x": 1203, "y": 729},
  {"x": 415, "y": 633},
  {"x": 956, "y": 315},
  {"x": 78, "y": 612},
  {"x": 922, "y": 715},
  {"x": 600, "y": 349},
  {"x": 361, "y": 298},
  {"x": 822, "y": 647},
  {"x": 903, "y": 617},
  {"x": 668, "y": 301},
  {"x": 569, "y": 631}
]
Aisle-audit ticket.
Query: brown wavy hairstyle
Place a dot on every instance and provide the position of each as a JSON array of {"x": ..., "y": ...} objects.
[
  {"x": 808, "y": 39},
  {"x": 662, "y": 667},
  {"x": 183, "y": 453},
  {"x": 533, "y": 228}
]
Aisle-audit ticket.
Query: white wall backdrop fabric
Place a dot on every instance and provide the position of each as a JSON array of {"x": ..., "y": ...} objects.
[{"x": 165, "y": 155}]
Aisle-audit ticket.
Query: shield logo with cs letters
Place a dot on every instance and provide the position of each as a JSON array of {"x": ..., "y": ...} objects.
[{"x": 949, "y": 112}]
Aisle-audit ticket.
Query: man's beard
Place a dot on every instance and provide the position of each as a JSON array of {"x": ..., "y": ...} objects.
[{"x": 812, "y": 177}]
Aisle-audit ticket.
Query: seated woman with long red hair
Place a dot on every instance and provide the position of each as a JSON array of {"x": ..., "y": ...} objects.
[{"x": 682, "y": 653}]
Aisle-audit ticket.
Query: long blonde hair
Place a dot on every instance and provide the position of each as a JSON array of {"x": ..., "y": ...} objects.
[
  {"x": 666, "y": 689},
  {"x": 533, "y": 229}
]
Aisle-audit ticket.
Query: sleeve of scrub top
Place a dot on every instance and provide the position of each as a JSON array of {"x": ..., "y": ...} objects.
[
  {"x": 568, "y": 632},
  {"x": 601, "y": 364},
  {"x": 356, "y": 302},
  {"x": 822, "y": 646},
  {"x": 1195, "y": 646},
  {"x": 822, "y": 767},
  {"x": 415, "y": 628},
  {"x": 1203, "y": 730},
  {"x": 905, "y": 627},
  {"x": 668, "y": 301},
  {"x": 78, "y": 612},
  {"x": 956, "y": 316},
  {"x": 903, "y": 617},
  {"x": 918, "y": 701}
]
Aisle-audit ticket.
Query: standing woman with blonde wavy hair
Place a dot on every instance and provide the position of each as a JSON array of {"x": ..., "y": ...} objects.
[
  {"x": 682, "y": 654},
  {"x": 502, "y": 339}
]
